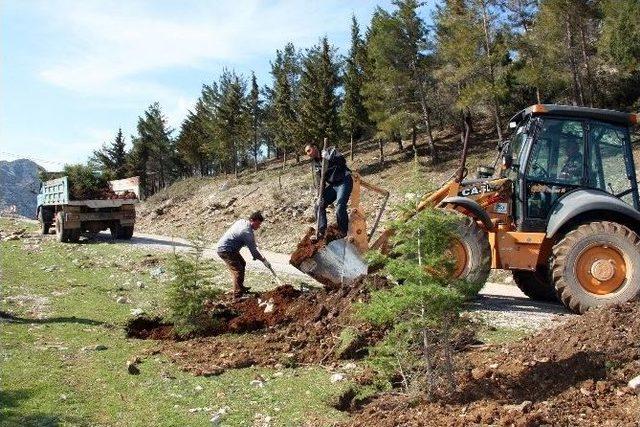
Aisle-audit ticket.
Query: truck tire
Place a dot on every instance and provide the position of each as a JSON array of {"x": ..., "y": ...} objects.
[
  {"x": 471, "y": 251},
  {"x": 596, "y": 264},
  {"x": 126, "y": 232},
  {"x": 62, "y": 234},
  {"x": 536, "y": 285},
  {"x": 44, "y": 226}
]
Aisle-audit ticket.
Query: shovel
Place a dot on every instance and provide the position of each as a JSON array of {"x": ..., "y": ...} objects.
[{"x": 278, "y": 280}]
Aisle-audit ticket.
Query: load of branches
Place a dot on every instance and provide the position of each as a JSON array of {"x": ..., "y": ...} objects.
[{"x": 86, "y": 184}]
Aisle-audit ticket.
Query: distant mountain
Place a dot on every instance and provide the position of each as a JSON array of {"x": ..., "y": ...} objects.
[{"x": 19, "y": 185}]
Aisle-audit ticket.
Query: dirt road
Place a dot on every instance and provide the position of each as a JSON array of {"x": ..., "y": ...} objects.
[{"x": 498, "y": 304}]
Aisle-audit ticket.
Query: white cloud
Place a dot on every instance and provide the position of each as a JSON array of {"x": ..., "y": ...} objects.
[{"x": 112, "y": 45}]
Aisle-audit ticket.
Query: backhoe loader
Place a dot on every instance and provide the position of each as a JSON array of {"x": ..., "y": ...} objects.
[{"x": 561, "y": 212}]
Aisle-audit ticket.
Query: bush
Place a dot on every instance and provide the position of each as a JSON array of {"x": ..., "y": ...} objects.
[{"x": 191, "y": 291}]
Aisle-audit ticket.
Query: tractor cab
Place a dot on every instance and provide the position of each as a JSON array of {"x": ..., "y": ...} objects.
[{"x": 555, "y": 150}]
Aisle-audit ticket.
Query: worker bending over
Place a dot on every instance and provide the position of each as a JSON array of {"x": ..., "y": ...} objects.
[
  {"x": 337, "y": 186},
  {"x": 238, "y": 235}
]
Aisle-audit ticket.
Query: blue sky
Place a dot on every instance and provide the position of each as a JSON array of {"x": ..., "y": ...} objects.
[{"x": 72, "y": 72}]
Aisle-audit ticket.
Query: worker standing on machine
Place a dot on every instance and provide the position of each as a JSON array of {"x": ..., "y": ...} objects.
[{"x": 337, "y": 186}]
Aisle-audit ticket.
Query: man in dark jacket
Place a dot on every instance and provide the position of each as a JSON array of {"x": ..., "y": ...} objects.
[{"x": 337, "y": 186}]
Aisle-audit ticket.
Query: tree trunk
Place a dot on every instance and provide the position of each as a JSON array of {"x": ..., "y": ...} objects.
[
  {"x": 284, "y": 158},
  {"x": 578, "y": 96},
  {"x": 585, "y": 58},
  {"x": 427, "y": 123},
  {"x": 538, "y": 95},
  {"x": 398, "y": 140},
  {"x": 351, "y": 144},
  {"x": 381, "y": 149},
  {"x": 487, "y": 40},
  {"x": 414, "y": 138}
]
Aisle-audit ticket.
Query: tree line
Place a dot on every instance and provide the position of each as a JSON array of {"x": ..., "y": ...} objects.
[{"x": 476, "y": 61}]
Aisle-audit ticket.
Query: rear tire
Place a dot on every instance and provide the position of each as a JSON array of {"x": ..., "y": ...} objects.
[
  {"x": 474, "y": 264},
  {"x": 62, "y": 234},
  {"x": 537, "y": 285},
  {"x": 597, "y": 264},
  {"x": 126, "y": 232},
  {"x": 44, "y": 226}
]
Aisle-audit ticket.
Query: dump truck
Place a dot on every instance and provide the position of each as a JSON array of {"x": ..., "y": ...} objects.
[
  {"x": 559, "y": 208},
  {"x": 73, "y": 217}
]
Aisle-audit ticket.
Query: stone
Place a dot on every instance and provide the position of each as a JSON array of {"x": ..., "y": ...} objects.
[
  {"x": 634, "y": 383},
  {"x": 257, "y": 383},
  {"x": 349, "y": 366},
  {"x": 337, "y": 377},
  {"x": 137, "y": 312},
  {"x": 132, "y": 368},
  {"x": 122, "y": 300},
  {"x": 140, "y": 284}
]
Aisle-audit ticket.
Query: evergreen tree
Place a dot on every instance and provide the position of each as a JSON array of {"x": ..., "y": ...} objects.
[
  {"x": 153, "y": 153},
  {"x": 111, "y": 159},
  {"x": 255, "y": 110},
  {"x": 233, "y": 120},
  {"x": 397, "y": 87},
  {"x": 353, "y": 113},
  {"x": 318, "y": 103},
  {"x": 284, "y": 123}
]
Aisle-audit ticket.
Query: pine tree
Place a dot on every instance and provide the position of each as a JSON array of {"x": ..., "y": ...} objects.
[
  {"x": 284, "y": 123},
  {"x": 397, "y": 86},
  {"x": 318, "y": 104},
  {"x": 353, "y": 113},
  {"x": 255, "y": 110},
  {"x": 111, "y": 159},
  {"x": 154, "y": 155},
  {"x": 233, "y": 119}
]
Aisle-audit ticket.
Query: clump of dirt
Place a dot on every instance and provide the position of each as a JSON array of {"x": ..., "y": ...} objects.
[
  {"x": 307, "y": 248},
  {"x": 575, "y": 374},
  {"x": 282, "y": 326}
]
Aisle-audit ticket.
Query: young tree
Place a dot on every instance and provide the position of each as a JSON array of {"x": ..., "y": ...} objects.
[
  {"x": 112, "y": 158},
  {"x": 318, "y": 103},
  {"x": 353, "y": 113}
]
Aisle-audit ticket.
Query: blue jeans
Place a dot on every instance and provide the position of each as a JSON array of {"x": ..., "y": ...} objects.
[{"x": 338, "y": 193}]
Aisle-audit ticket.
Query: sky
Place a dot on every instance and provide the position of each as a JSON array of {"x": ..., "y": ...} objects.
[{"x": 73, "y": 72}]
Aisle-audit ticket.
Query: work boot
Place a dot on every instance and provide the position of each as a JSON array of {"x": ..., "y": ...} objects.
[{"x": 241, "y": 292}]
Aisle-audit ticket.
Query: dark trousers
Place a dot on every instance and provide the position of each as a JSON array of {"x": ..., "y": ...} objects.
[
  {"x": 338, "y": 193},
  {"x": 236, "y": 265}
]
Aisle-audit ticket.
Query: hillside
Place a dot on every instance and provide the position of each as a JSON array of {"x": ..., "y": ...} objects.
[
  {"x": 20, "y": 185},
  {"x": 286, "y": 196}
]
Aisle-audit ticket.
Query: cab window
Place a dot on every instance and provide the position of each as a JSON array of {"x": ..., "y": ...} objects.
[
  {"x": 556, "y": 164},
  {"x": 608, "y": 162}
]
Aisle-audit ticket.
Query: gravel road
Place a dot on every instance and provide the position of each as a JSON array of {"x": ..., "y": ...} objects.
[{"x": 498, "y": 304}]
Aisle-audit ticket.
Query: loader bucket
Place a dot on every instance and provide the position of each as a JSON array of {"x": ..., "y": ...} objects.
[{"x": 334, "y": 264}]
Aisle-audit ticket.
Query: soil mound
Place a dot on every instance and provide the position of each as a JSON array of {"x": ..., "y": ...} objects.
[
  {"x": 282, "y": 326},
  {"x": 575, "y": 374}
]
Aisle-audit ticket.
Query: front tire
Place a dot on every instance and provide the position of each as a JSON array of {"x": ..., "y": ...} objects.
[
  {"x": 597, "y": 264},
  {"x": 44, "y": 226},
  {"x": 471, "y": 252}
]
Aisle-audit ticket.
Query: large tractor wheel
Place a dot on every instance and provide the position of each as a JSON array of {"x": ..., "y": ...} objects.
[
  {"x": 471, "y": 252},
  {"x": 596, "y": 264},
  {"x": 126, "y": 232},
  {"x": 536, "y": 285}
]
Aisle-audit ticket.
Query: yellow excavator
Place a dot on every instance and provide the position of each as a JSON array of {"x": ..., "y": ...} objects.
[{"x": 562, "y": 211}]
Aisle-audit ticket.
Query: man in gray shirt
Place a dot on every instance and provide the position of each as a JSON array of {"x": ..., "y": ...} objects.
[{"x": 238, "y": 235}]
